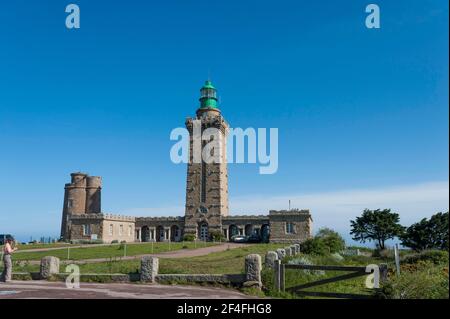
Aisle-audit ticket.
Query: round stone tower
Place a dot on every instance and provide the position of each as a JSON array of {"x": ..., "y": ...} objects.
[
  {"x": 76, "y": 194},
  {"x": 74, "y": 200},
  {"x": 93, "y": 194}
]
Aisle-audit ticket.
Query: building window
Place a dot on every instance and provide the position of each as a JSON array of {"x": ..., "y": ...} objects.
[
  {"x": 86, "y": 230},
  {"x": 70, "y": 203},
  {"x": 129, "y": 230},
  {"x": 289, "y": 228},
  {"x": 111, "y": 228},
  {"x": 120, "y": 230}
]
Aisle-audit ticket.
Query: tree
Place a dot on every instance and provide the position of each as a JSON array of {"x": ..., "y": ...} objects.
[
  {"x": 428, "y": 234},
  {"x": 377, "y": 225},
  {"x": 331, "y": 239}
]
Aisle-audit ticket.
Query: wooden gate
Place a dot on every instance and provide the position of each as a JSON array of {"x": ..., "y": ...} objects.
[{"x": 280, "y": 270}]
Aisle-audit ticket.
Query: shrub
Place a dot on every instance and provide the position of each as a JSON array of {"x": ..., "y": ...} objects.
[
  {"x": 436, "y": 257},
  {"x": 303, "y": 260},
  {"x": 383, "y": 253},
  {"x": 115, "y": 241},
  {"x": 189, "y": 237},
  {"x": 331, "y": 239},
  {"x": 314, "y": 246},
  {"x": 429, "y": 281},
  {"x": 337, "y": 257},
  {"x": 217, "y": 236}
]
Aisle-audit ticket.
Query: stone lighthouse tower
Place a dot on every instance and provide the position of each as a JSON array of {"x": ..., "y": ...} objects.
[{"x": 207, "y": 178}]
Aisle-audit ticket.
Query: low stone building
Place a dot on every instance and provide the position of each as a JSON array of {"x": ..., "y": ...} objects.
[{"x": 206, "y": 213}]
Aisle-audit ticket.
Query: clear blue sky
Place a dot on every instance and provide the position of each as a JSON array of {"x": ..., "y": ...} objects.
[{"x": 358, "y": 110}]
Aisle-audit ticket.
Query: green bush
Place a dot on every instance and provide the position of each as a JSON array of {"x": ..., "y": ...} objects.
[
  {"x": 429, "y": 281},
  {"x": 189, "y": 237},
  {"x": 331, "y": 239},
  {"x": 115, "y": 241},
  {"x": 314, "y": 246},
  {"x": 437, "y": 257},
  {"x": 217, "y": 236},
  {"x": 383, "y": 253}
]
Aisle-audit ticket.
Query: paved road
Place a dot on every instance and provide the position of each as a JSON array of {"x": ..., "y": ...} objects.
[
  {"x": 58, "y": 290},
  {"x": 181, "y": 253}
]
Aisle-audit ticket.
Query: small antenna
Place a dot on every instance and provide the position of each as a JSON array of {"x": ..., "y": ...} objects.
[{"x": 289, "y": 204}]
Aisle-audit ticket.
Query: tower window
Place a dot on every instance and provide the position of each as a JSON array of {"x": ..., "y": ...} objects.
[
  {"x": 70, "y": 203},
  {"x": 129, "y": 230},
  {"x": 290, "y": 228},
  {"x": 111, "y": 229}
]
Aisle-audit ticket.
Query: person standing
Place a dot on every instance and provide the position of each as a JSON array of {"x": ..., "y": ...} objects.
[{"x": 7, "y": 262}]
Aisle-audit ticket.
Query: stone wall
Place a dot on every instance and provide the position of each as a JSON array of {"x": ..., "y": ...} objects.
[{"x": 77, "y": 222}]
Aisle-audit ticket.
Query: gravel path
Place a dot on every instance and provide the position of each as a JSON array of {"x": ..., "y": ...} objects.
[{"x": 58, "y": 290}]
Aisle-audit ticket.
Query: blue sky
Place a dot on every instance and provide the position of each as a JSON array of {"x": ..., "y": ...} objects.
[{"x": 362, "y": 114}]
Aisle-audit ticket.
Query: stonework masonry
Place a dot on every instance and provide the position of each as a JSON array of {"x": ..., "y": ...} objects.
[{"x": 206, "y": 211}]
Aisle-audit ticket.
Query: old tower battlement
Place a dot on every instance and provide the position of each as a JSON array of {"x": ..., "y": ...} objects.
[{"x": 206, "y": 213}]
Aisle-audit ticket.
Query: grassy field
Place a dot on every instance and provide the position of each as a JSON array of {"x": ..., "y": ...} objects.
[
  {"x": 226, "y": 262},
  {"x": 297, "y": 277},
  {"x": 109, "y": 251}
]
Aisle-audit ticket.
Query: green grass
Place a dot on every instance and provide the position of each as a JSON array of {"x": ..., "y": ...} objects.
[
  {"x": 109, "y": 251},
  {"x": 226, "y": 262},
  {"x": 297, "y": 277}
]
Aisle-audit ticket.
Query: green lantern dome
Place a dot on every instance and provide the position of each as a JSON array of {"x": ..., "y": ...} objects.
[{"x": 208, "y": 96}]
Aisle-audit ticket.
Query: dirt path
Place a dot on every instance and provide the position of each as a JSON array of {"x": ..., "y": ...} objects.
[
  {"x": 181, "y": 253},
  {"x": 58, "y": 290}
]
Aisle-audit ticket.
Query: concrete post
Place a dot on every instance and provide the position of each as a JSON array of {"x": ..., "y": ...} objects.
[
  {"x": 270, "y": 259},
  {"x": 49, "y": 267},
  {"x": 149, "y": 268},
  {"x": 253, "y": 269},
  {"x": 288, "y": 251},
  {"x": 281, "y": 253}
]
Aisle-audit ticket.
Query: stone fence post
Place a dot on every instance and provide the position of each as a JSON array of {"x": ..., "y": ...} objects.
[
  {"x": 149, "y": 268},
  {"x": 49, "y": 267},
  {"x": 293, "y": 250},
  {"x": 270, "y": 259},
  {"x": 253, "y": 269},
  {"x": 281, "y": 253}
]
